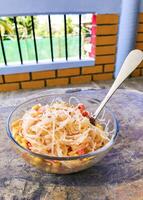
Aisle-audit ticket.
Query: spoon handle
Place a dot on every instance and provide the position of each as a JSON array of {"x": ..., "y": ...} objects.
[{"x": 133, "y": 59}]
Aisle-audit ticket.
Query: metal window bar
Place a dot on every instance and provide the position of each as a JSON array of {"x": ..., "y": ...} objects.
[
  {"x": 3, "y": 49},
  {"x": 51, "y": 39},
  {"x": 51, "y": 65},
  {"x": 80, "y": 36},
  {"x": 18, "y": 41},
  {"x": 34, "y": 39},
  {"x": 66, "y": 44}
]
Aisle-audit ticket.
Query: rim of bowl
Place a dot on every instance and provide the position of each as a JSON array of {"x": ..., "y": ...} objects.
[{"x": 88, "y": 155}]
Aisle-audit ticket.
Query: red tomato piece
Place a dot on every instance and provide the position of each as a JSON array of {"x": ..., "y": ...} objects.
[
  {"x": 81, "y": 106},
  {"x": 81, "y": 151},
  {"x": 85, "y": 113},
  {"x": 29, "y": 145}
]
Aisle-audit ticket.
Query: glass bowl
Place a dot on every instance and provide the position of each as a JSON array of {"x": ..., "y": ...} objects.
[{"x": 71, "y": 164}]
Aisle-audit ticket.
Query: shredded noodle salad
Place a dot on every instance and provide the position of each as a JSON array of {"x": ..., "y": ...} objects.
[{"x": 59, "y": 129}]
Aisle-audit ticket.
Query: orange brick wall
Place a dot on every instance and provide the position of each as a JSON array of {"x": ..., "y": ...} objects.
[
  {"x": 106, "y": 39},
  {"x": 139, "y": 45},
  {"x": 106, "y": 42}
]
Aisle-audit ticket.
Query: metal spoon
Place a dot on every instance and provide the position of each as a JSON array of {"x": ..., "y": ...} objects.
[{"x": 133, "y": 59}]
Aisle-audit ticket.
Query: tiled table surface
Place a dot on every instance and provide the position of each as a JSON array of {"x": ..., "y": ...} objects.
[{"x": 118, "y": 176}]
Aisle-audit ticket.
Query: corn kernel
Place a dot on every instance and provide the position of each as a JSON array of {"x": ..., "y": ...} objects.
[
  {"x": 18, "y": 138},
  {"x": 37, "y": 160},
  {"x": 15, "y": 123},
  {"x": 44, "y": 133},
  {"x": 36, "y": 107},
  {"x": 14, "y": 131},
  {"x": 57, "y": 164},
  {"x": 23, "y": 140},
  {"x": 99, "y": 126},
  {"x": 24, "y": 144},
  {"x": 31, "y": 132},
  {"x": 48, "y": 163}
]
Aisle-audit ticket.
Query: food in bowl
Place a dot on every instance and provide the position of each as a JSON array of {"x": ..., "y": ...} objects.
[{"x": 60, "y": 137}]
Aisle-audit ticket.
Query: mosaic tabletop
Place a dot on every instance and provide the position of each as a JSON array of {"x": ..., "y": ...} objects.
[{"x": 119, "y": 176}]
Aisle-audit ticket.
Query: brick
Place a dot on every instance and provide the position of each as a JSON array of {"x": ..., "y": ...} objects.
[
  {"x": 109, "y": 68},
  {"x": 1, "y": 79},
  {"x": 139, "y": 37},
  {"x": 136, "y": 73},
  {"x": 9, "y": 87},
  {"x": 43, "y": 75},
  {"x": 140, "y": 28},
  {"x": 32, "y": 84},
  {"x": 141, "y": 65},
  {"x": 107, "y": 19},
  {"x": 107, "y": 30},
  {"x": 105, "y": 76},
  {"x": 140, "y": 17},
  {"x": 105, "y": 50},
  {"x": 92, "y": 70},
  {"x": 80, "y": 79},
  {"x": 106, "y": 40},
  {"x": 68, "y": 72},
  {"x": 139, "y": 45},
  {"x": 16, "y": 77},
  {"x": 57, "y": 82},
  {"x": 105, "y": 59}
]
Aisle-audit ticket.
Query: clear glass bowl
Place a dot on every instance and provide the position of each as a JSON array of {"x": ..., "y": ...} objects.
[{"x": 64, "y": 165}]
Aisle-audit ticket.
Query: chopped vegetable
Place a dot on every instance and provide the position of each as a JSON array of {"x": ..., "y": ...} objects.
[
  {"x": 85, "y": 113},
  {"x": 81, "y": 107},
  {"x": 81, "y": 151}
]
